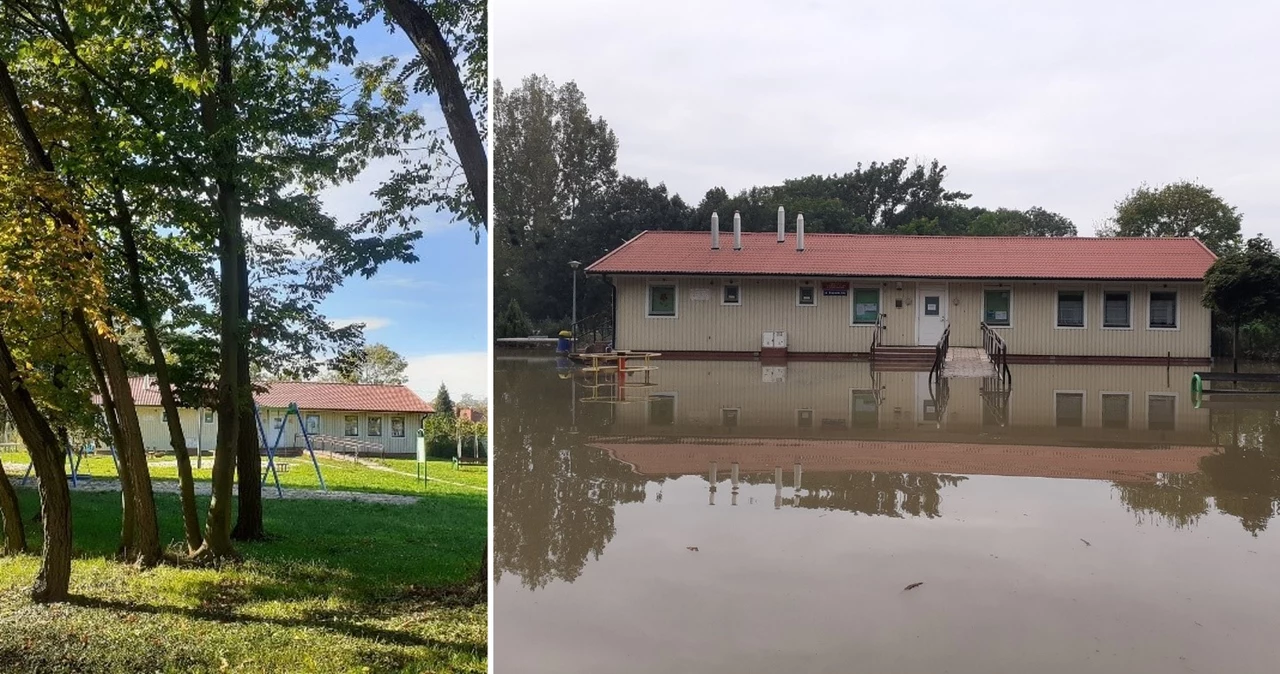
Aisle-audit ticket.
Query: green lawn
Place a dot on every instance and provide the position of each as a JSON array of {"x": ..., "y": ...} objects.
[{"x": 339, "y": 587}]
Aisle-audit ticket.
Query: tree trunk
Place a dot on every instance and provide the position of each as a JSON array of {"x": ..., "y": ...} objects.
[
  {"x": 217, "y": 109},
  {"x": 147, "y": 548},
  {"x": 177, "y": 439},
  {"x": 249, "y": 526},
  {"x": 127, "y": 519},
  {"x": 416, "y": 21},
  {"x": 54, "y": 578},
  {"x": 15, "y": 535}
]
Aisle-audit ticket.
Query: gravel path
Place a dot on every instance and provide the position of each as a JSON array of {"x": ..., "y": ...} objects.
[{"x": 203, "y": 488}]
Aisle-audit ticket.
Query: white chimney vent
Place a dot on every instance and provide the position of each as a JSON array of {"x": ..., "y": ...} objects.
[
  {"x": 800, "y": 232},
  {"x": 715, "y": 231},
  {"x": 782, "y": 225},
  {"x": 737, "y": 231}
]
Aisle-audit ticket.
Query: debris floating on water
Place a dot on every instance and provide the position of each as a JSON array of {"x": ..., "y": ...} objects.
[
  {"x": 912, "y": 586},
  {"x": 692, "y": 548},
  {"x": 1086, "y": 542}
]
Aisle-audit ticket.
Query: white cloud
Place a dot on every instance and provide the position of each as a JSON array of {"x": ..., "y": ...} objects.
[
  {"x": 466, "y": 372},
  {"x": 348, "y": 201},
  {"x": 408, "y": 282},
  {"x": 371, "y": 323}
]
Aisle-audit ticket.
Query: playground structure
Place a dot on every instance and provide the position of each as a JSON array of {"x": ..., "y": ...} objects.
[
  {"x": 611, "y": 376},
  {"x": 272, "y": 447}
]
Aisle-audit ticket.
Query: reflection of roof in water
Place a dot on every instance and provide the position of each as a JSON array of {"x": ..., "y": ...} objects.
[{"x": 693, "y": 456}]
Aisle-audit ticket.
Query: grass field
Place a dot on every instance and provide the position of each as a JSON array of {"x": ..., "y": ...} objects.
[{"x": 339, "y": 587}]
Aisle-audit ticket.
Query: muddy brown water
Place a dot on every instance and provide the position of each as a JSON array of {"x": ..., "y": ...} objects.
[{"x": 734, "y": 517}]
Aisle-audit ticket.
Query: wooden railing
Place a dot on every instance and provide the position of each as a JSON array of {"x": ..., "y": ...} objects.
[
  {"x": 998, "y": 351},
  {"x": 940, "y": 354}
]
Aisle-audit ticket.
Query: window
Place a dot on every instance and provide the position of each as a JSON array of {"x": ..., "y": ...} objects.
[
  {"x": 375, "y": 427},
  {"x": 277, "y": 423},
  {"x": 732, "y": 294},
  {"x": 932, "y": 305},
  {"x": 866, "y": 305},
  {"x": 397, "y": 427},
  {"x": 729, "y": 417},
  {"x": 1115, "y": 410},
  {"x": 929, "y": 410},
  {"x": 806, "y": 296},
  {"x": 865, "y": 410},
  {"x": 1070, "y": 309},
  {"x": 313, "y": 423},
  {"x": 1161, "y": 412},
  {"x": 351, "y": 425},
  {"x": 662, "y": 409},
  {"x": 164, "y": 417},
  {"x": 1164, "y": 310},
  {"x": 1069, "y": 409},
  {"x": 995, "y": 307},
  {"x": 804, "y": 418},
  {"x": 1115, "y": 310},
  {"x": 662, "y": 300},
  {"x": 208, "y": 416}
]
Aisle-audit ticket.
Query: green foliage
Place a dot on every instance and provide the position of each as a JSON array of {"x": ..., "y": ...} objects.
[
  {"x": 513, "y": 322},
  {"x": 371, "y": 364},
  {"x": 1245, "y": 284},
  {"x": 1178, "y": 209},
  {"x": 443, "y": 404}
]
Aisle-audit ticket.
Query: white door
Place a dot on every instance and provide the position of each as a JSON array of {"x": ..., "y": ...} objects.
[{"x": 931, "y": 314}]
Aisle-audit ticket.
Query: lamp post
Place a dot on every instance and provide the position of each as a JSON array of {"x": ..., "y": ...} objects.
[{"x": 573, "y": 327}]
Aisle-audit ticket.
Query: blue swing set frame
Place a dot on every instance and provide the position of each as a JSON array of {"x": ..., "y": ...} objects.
[{"x": 272, "y": 447}]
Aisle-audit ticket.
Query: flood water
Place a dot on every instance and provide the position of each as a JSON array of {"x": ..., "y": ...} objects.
[{"x": 734, "y": 517}]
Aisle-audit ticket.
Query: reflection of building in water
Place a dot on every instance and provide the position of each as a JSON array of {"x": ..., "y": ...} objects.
[{"x": 1048, "y": 404}]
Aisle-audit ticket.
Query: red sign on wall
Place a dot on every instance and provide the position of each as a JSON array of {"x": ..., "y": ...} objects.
[{"x": 837, "y": 288}]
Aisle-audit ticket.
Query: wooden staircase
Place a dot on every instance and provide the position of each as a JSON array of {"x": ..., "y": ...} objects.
[{"x": 902, "y": 358}]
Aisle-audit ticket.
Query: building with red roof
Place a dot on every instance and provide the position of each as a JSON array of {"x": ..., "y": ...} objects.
[
  {"x": 342, "y": 417},
  {"x": 1076, "y": 299}
]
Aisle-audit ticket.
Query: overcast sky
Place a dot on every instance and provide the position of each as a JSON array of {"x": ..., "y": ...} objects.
[{"x": 1064, "y": 105}]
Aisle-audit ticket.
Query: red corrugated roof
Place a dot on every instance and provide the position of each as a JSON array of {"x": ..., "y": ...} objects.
[
  {"x": 894, "y": 256},
  {"x": 313, "y": 396}
]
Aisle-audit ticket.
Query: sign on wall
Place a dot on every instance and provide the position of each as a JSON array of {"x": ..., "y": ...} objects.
[
  {"x": 835, "y": 288},
  {"x": 700, "y": 294}
]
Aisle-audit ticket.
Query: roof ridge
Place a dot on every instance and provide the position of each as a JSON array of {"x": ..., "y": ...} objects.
[{"x": 1019, "y": 237}]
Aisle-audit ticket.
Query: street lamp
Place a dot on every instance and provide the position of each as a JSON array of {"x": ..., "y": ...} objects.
[{"x": 573, "y": 327}]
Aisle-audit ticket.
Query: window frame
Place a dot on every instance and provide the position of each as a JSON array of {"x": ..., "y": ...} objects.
[
  {"x": 164, "y": 416},
  {"x": 675, "y": 299},
  {"x": 1057, "y": 309},
  {"x": 208, "y": 417},
  {"x": 1177, "y": 312},
  {"x": 736, "y": 414},
  {"x": 724, "y": 289},
  {"x": 368, "y": 425},
  {"x": 674, "y": 397},
  {"x": 1009, "y": 320},
  {"x": 392, "y": 425},
  {"x": 812, "y": 417},
  {"x": 853, "y": 304},
  {"x": 306, "y": 418},
  {"x": 800, "y": 288},
  {"x": 1102, "y": 409},
  {"x": 1173, "y": 423},
  {"x": 1084, "y": 407},
  {"x": 346, "y": 427},
  {"x": 1114, "y": 291}
]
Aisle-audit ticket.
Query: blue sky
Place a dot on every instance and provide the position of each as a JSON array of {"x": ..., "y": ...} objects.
[{"x": 434, "y": 312}]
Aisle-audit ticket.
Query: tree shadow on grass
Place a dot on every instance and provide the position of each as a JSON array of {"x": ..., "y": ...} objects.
[{"x": 342, "y": 624}]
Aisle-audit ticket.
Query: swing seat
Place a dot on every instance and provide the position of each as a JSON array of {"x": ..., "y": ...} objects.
[{"x": 469, "y": 461}]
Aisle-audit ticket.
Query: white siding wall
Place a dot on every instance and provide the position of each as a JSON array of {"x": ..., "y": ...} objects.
[
  {"x": 770, "y": 304},
  {"x": 155, "y": 433}
]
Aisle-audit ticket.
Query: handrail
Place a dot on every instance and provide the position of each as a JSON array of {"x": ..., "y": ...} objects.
[
  {"x": 596, "y": 325},
  {"x": 940, "y": 353},
  {"x": 875, "y": 336},
  {"x": 998, "y": 351}
]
